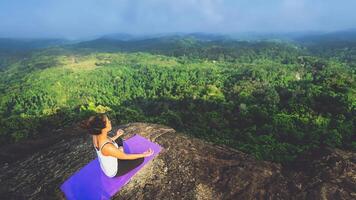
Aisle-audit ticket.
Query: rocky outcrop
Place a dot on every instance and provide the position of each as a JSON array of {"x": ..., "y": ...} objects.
[
  {"x": 187, "y": 168},
  {"x": 324, "y": 174}
]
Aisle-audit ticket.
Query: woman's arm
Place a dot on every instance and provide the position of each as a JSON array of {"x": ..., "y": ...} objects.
[{"x": 110, "y": 150}]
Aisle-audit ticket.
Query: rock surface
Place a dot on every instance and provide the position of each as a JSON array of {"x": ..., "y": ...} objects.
[{"x": 187, "y": 168}]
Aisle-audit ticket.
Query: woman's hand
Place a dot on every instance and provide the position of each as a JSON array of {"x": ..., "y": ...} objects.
[
  {"x": 148, "y": 153},
  {"x": 119, "y": 133}
]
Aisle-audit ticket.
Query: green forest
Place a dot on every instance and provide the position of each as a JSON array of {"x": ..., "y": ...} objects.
[{"x": 272, "y": 99}]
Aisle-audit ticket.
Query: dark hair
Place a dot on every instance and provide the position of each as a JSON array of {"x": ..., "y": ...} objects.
[{"x": 95, "y": 124}]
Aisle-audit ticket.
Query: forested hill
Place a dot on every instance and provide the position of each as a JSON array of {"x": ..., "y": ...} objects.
[
  {"x": 339, "y": 37},
  {"x": 12, "y": 49},
  {"x": 227, "y": 50},
  {"x": 339, "y": 45},
  {"x": 274, "y": 100},
  {"x": 10, "y": 44}
]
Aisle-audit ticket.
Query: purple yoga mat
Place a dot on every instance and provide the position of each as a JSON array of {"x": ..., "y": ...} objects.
[{"x": 90, "y": 182}]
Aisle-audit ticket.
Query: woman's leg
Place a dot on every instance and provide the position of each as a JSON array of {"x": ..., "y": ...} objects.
[{"x": 125, "y": 166}]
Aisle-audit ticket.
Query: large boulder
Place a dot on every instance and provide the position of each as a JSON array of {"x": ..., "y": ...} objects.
[{"x": 187, "y": 168}]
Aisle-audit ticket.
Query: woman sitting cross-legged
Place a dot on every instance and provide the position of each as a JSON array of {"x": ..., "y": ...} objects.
[{"x": 113, "y": 160}]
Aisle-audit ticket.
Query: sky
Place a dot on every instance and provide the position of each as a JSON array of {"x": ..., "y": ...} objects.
[{"x": 90, "y": 18}]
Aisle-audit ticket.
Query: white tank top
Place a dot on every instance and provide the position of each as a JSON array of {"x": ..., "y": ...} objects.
[{"x": 107, "y": 163}]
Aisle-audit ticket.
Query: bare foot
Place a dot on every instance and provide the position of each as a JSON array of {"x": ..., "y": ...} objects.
[{"x": 121, "y": 149}]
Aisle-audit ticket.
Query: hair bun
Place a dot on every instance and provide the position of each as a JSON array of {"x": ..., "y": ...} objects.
[
  {"x": 94, "y": 124},
  {"x": 86, "y": 124}
]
